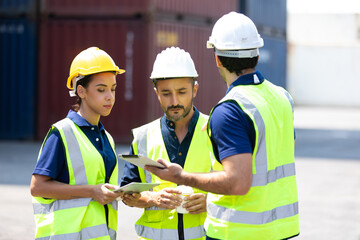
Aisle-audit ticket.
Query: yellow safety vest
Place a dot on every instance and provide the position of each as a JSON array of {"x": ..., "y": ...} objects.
[
  {"x": 81, "y": 218},
  {"x": 270, "y": 209},
  {"x": 159, "y": 223}
]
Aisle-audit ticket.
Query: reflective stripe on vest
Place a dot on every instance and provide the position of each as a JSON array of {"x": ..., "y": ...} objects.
[
  {"x": 86, "y": 233},
  {"x": 256, "y": 218},
  {"x": 161, "y": 223},
  {"x": 233, "y": 215},
  {"x": 141, "y": 140},
  {"x": 153, "y": 233},
  {"x": 49, "y": 207},
  {"x": 262, "y": 176},
  {"x": 43, "y": 208},
  {"x": 74, "y": 153}
]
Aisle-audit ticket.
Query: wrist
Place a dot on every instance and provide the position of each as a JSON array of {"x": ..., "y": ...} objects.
[
  {"x": 183, "y": 179},
  {"x": 150, "y": 199}
]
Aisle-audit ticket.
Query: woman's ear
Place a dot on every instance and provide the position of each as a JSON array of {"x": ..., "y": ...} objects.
[{"x": 80, "y": 91}]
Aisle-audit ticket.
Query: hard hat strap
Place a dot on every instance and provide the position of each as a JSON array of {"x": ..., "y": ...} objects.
[
  {"x": 238, "y": 53},
  {"x": 73, "y": 92}
]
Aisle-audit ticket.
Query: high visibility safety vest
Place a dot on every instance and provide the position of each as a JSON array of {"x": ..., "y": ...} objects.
[
  {"x": 160, "y": 223},
  {"x": 270, "y": 209},
  {"x": 81, "y": 218}
]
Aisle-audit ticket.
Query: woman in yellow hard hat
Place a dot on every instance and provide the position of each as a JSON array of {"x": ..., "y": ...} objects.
[{"x": 77, "y": 169}]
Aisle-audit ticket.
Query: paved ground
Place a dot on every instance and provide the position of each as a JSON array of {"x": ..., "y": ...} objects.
[{"x": 328, "y": 173}]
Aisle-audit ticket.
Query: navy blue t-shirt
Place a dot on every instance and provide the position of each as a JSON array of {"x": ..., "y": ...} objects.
[
  {"x": 177, "y": 152},
  {"x": 232, "y": 131},
  {"x": 52, "y": 161}
]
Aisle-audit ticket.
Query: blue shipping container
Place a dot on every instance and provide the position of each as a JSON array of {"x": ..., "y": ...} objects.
[
  {"x": 17, "y": 78},
  {"x": 267, "y": 13},
  {"x": 17, "y": 7},
  {"x": 272, "y": 60}
]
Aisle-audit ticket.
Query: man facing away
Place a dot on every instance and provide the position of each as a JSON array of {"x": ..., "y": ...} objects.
[
  {"x": 177, "y": 137},
  {"x": 253, "y": 192}
]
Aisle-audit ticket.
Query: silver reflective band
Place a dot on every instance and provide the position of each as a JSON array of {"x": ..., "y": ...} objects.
[
  {"x": 238, "y": 53},
  {"x": 262, "y": 179},
  {"x": 255, "y": 218},
  {"x": 155, "y": 233},
  {"x": 288, "y": 97},
  {"x": 74, "y": 151},
  {"x": 141, "y": 141},
  {"x": 263, "y": 176},
  {"x": 85, "y": 233},
  {"x": 155, "y": 208},
  {"x": 60, "y": 205}
]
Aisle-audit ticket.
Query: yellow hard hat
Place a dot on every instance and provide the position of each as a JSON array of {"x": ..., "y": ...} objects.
[{"x": 90, "y": 61}]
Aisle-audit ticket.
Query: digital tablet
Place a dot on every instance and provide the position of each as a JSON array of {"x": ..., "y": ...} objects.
[
  {"x": 140, "y": 161},
  {"x": 136, "y": 187}
]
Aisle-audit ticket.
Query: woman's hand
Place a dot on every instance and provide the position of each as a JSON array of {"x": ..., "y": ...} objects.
[{"x": 104, "y": 194}]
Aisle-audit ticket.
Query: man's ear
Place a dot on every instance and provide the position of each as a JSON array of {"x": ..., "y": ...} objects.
[
  {"x": 196, "y": 87},
  {"x": 218, "y": 62},
  {"x": 157, "y": 93}
]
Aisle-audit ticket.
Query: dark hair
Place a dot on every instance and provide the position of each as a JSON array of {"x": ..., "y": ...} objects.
[
  {"x": 85, "y": 83},
  {"x": 237, "y": 65},
  {"x": 154, "y": 81}
]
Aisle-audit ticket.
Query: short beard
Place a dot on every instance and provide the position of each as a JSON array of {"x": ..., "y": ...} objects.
[{"x": 186, "y": 112}]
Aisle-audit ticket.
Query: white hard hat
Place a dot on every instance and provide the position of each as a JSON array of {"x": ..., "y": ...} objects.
[
  {"x": 173, "y": 63},
  {"x": 235, "y": 35}
]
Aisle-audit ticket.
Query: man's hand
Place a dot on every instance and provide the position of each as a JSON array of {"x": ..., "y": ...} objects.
[
  {"x": 172, "y": 171},
  {"x": 168, "y": 198},
  {"x": 131, "y": 199},
  {"x": 196, "y": 203}
]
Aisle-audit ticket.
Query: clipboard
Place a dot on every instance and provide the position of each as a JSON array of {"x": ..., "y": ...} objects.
[
  {"x": 136, "y": 187},
  {"x": 140, "y": 161}
]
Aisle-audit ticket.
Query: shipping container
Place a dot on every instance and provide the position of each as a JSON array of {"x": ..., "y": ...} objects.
[
  {"x": 324, "y": 75},
  {"x": 324, "y": 65},
  {"x": 17, "y": 8},
  {"x": 270, "y": 20},
  {"x": 17, "y": 78},
  {"x": 110, "y": 8},
  {"x": 269, "y": 16},
  {"x": 272, "y": 60},
  {"x": 133, "y": 44}
]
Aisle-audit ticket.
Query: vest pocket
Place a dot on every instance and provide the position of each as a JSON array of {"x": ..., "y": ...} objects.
[{"x": 152, "y": 216}]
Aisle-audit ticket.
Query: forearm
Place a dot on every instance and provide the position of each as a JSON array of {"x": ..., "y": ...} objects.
[
  {"x": 215, "y": 182},
  {"x": 57, "y": 190},
  {"x": 235, "y": 179}
]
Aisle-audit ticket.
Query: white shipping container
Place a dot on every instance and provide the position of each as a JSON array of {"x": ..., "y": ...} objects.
[
  {"x": 329, "y": 29},
  {"x": 324, "y": 75}
]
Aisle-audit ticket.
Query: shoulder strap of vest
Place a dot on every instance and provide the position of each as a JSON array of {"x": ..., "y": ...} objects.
[
  {"x": 140, "y": 137},
  {"x": 111, "y": 140},
  {"x": 66, "y": 128}
]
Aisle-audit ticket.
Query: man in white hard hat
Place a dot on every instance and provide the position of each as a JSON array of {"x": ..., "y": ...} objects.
[
  {"x": 253, "y": 190},
  {"x": 177, "y": 137}
]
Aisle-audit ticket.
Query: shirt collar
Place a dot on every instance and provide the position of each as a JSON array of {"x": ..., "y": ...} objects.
[
  {"x": 254, "y": 78},
  {"x": 81, "y": 122},
  {"x": 171, "y": 125}
]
